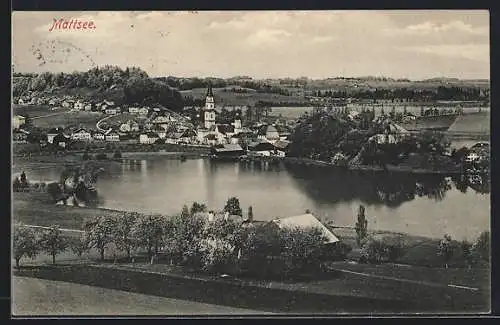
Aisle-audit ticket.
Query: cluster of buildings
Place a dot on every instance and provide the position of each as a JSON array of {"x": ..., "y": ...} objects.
[
  {"x": 156, "y": 125},
  {"x": 107, "y": 107}
]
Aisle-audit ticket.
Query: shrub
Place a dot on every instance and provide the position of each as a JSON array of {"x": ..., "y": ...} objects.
[
  {"x": 54, "y": 191},
  {"x": 482, "y": 246},
  {"x": 445, "y": 249},
  {"x": 16, "y": 185},
  {"x": 378, "y": 250},
  {"x": 78, "y": 245}
]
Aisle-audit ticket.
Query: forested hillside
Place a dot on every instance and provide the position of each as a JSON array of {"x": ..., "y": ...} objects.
[{"x": 128, "y": 86}]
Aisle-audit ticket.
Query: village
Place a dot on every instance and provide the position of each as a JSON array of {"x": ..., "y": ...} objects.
[
  {"x": 156, "y": 125},
  {"x": 231, "y": 136}
]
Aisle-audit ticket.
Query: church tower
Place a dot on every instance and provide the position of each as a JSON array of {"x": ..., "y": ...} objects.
[{"x": 209, "y": 111}]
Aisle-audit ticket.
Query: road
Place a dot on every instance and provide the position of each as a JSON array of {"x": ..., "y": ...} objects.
[{"x": 52, "y": 298}]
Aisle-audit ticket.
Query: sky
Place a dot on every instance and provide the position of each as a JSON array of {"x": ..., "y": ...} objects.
[{"x": 412, "y": 44}]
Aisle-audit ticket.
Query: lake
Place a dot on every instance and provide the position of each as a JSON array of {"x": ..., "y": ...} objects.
[{"x": 424, "y": 205}]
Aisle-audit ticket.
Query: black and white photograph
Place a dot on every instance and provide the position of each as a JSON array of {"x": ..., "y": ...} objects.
[{"x": 230, "y": 163}]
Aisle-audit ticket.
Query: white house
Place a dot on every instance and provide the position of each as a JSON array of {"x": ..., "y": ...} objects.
[
  {"x": 81, "y": 135},
  {"x": 88, "y": 107},
  {"x": 66, "y": 104},
  {"x": 51, "y": 134},
  {"x": 53, "y": 102},
  {"x": 78, "y": 105},
  {"x": 162, "y": 120},
  {"x": 143, "y": 111},
  {"x": 268, "y": 133},
  {"x": 111, "y": 111},
  {"x": 20, "y": 101},
  {"x": 99, "y": 136},
  {"x": 306, "y": 221},
  {"x": 17, "y": 121},
  {"x": 112, "y": 137},
  {"x": 133, "y": 110},
  {"x": 148, "y": 138}
]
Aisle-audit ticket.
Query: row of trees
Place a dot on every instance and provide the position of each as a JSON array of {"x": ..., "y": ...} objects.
[
  {"x": 407, "y": 95},
  {"x": 186, "y": 239}
]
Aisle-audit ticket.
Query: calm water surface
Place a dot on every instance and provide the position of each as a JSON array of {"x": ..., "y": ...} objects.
[{"x": 429, "y": 206}]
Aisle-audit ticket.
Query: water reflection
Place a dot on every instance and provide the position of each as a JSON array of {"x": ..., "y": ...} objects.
[{"x": 375, "y": 188}]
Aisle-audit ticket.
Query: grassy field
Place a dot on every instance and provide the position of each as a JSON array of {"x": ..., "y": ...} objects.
[
  {"x": 35, "y": 110},
  {"x": 475, "y": 122},
  {"x": 234, "y": 98},
  {"x": 69, "y": 119},
  {"x": 44, "y": 297}
]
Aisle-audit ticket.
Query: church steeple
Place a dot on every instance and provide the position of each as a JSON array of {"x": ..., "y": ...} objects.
[
  {"x": 209, "y": 91},
  {"x": 209, "y": 109}
]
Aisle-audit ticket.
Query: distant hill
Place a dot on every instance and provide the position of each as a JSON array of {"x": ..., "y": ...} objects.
[{"x": 128, "y": 86}]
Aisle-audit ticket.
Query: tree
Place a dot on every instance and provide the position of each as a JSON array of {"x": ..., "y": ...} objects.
[
  {"x": 482, "y": 245},
  {"x": 445, "y": 249},
  {"x": 250, "y": 214},
  {"x": 301, "y": 248},
  {"x": 185, "y": 211},
  {"x": 24, "y": 180},
  {"x": 148, "y": 232},
  {"x": 55, "y": 191},
  {"x": 24, "y": 243},
  {"x": 78, "y": 245},
  {"x": 16, "y": 185},
  {"x": 52, "y": 242},
  {"x": 198, "y": 207},
  {"x": 233, "y": 206},
  {"x": 99, "y": 233},
  {"x": 361, "y": 226},
  {"x": 183, "y": 242},
  {"x": 123, "y": 232}
]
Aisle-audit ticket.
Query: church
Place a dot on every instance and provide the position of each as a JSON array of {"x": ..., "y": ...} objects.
[{"x": 211, "y": 133}]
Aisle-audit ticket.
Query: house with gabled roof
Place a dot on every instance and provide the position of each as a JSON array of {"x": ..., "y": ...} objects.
[
  {"x": 81, "y": 135},
  {"x": 306, "y": 221}
]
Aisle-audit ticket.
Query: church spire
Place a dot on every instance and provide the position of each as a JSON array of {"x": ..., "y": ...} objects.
[{"x": 209, "y": 91}]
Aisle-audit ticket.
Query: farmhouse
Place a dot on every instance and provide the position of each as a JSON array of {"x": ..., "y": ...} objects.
[
  {"x": 112, "y": 137},
  {"x": 60, "y": 140},
  {"x": 81, "y": 135},
  {"x": 20, "y": 136},
  {"x": 269, "y": 133},
  {"x": 305, "y": 221},
  {"x": 18, "y": 121},
  {"x": 228, "y": 151},
  {"x": 98, "y": 136},
  {"x": 133, "y": 110},
  {"x": 143, "y": 111},
  {"x": 262, "y": 149},
  {"x": 111, "y": 111},
  {"x": 148, "y": 138},
  {"x": 78, "y": 105}
]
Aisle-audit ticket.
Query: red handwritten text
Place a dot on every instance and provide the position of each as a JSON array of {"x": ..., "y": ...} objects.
[{"x": 67, "y": 24}]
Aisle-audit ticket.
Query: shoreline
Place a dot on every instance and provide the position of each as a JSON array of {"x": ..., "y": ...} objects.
[{"x": 198, "y": 155}]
